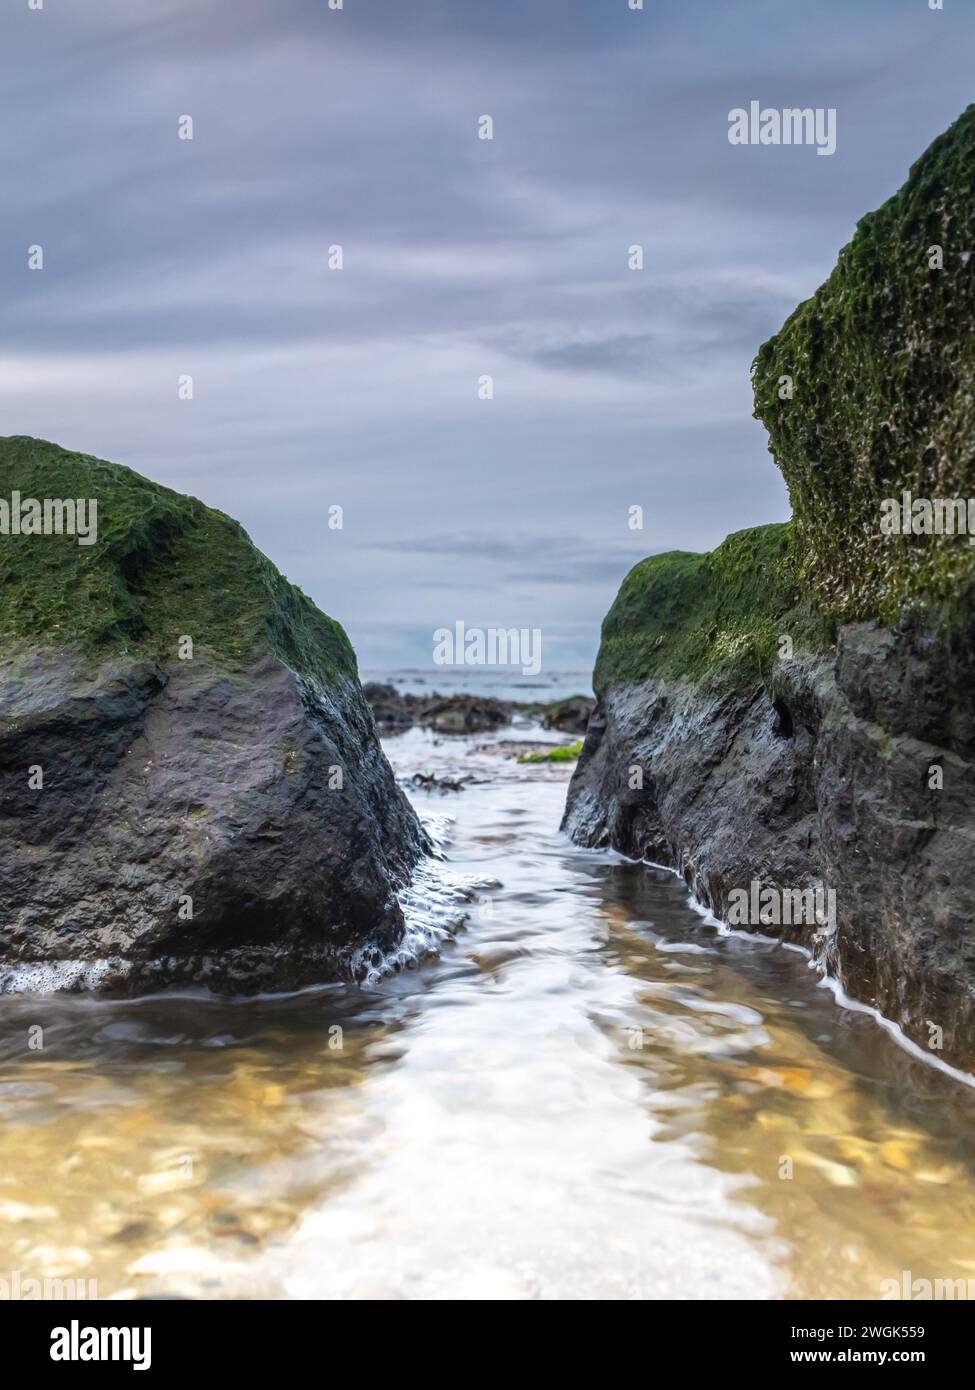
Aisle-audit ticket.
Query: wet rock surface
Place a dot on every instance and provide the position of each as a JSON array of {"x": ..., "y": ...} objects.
[
  {"x": 219, "y": 813},
  {"x": 795, "y": 709},
  {"x": 825, "y": 780},
  {"x": 240, "y": 797}
]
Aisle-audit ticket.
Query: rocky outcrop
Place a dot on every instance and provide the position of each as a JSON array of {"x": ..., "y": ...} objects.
[
  {"x": 868, "y": 391},
  {"x": 448, "y": 714},
  {"x": 191, "y": 785},
  {"x": 470, "y": 714},
  {"x": 845, "y": 773},
  {"x": 570, "y": 716},
  {"x": 792, "y": 714}
]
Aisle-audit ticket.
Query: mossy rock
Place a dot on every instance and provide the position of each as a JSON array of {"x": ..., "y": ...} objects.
[
  {"x": 681, "y": 615},
  {"x": 882, "y": 363},
  {"x": 164, "y": 566},
  {"x": 227, "y": 821}
]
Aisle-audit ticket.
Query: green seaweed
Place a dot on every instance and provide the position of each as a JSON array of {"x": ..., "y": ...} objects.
[
  {"x": 882, "y": 363},
  {"x": 164, "y": 566},
  {"x": 681, "y": 615},
  {"x": 564, "y": 753}
]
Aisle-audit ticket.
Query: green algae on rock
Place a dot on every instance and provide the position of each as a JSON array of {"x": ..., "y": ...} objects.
[
  {"x": 842, "y": 759},
  {"x": 222, "y": 815},
  {"x": 681, "y": 614},
  {"x": 881, "y": 362},
  {"x": 164, "y": 566},
  {"x": 563, "y": 753}
]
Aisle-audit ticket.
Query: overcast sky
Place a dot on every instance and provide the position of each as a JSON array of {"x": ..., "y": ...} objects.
[{"x": 462, "y": 257}]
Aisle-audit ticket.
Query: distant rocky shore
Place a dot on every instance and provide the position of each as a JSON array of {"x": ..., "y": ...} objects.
[{"x": 470, "y": 714}]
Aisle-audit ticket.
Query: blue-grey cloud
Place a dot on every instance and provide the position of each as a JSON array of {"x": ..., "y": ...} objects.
[{"x": 463, "y": 258}]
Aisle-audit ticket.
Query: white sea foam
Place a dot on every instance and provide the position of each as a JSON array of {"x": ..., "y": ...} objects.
[
  {"x": 59, "y": 976},
  {"x": 819, "y": 961},
  {"x": 435, "y": 906}
]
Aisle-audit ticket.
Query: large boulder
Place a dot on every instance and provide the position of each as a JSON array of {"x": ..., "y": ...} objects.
[
  {"x": 794, "y": 710},
  {"x": 191, "y": 785},
  {"x": 868, "y": 391}
]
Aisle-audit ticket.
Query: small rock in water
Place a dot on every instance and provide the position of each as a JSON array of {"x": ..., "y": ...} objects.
[
  {"x": 429, "y": 781},
  {"x": 570, "y": 716}
]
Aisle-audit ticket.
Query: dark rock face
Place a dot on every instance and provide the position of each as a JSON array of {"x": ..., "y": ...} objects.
[
  {"x": 822, "y": 778},
  {"x": 268, "y": 811},
  {"x": 191, "y": 785},
  {"x": 794, "y": 710}
]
